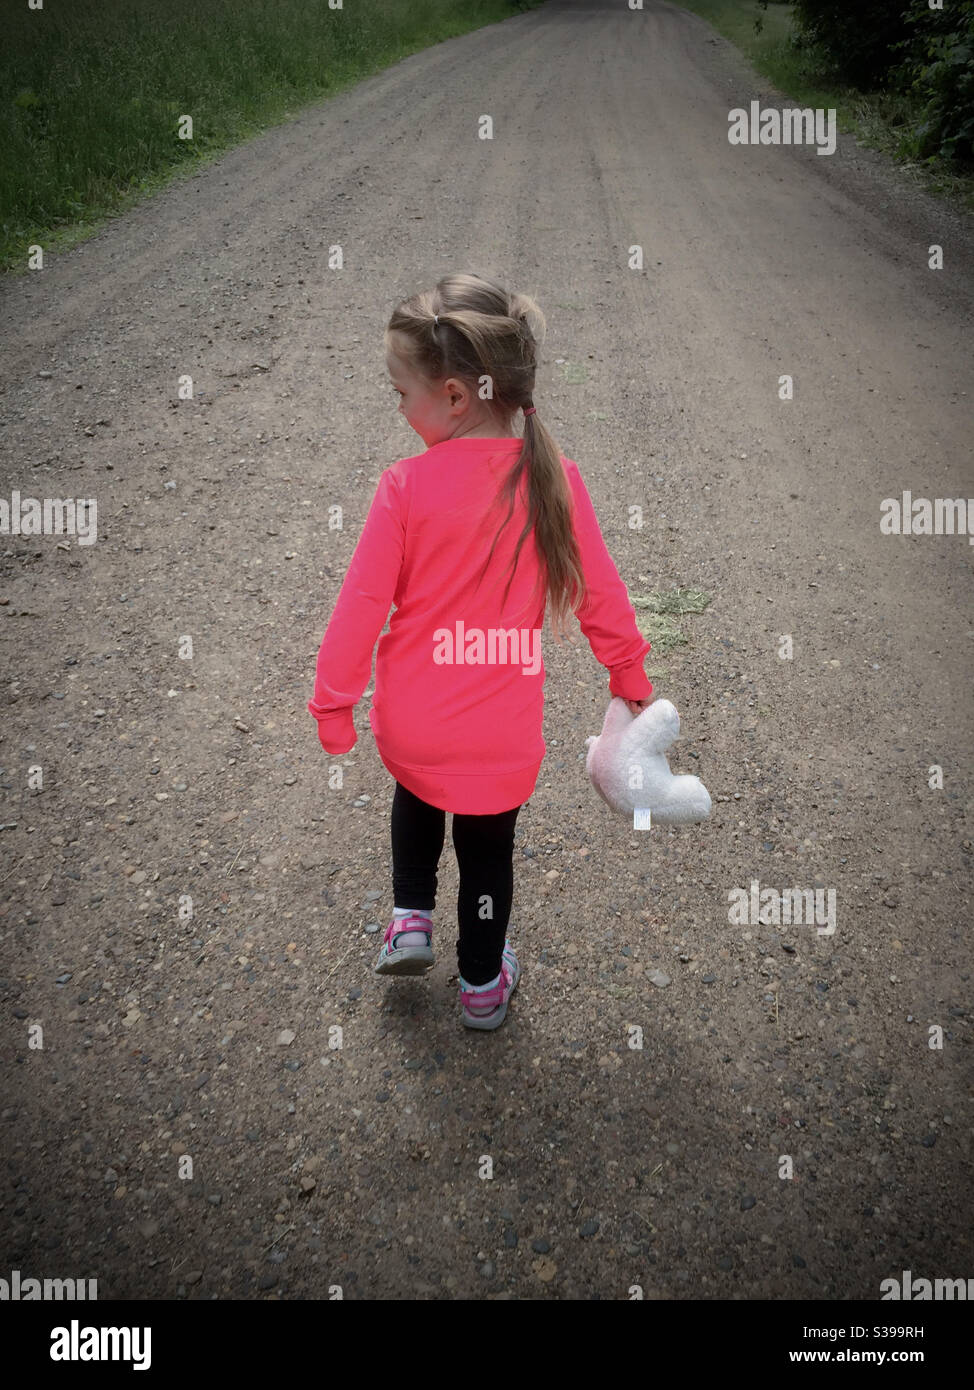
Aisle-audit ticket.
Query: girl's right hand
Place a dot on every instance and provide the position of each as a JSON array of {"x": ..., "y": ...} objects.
[{"x": 637, "y": 706}]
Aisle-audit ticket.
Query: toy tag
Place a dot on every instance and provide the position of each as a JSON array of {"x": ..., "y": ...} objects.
[{"x": 642, "y": 818}]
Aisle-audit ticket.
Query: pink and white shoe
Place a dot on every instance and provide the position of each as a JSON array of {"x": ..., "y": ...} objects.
[
  {"x": 489, "y": 1008},
  {"x": 405, "y": 960}
]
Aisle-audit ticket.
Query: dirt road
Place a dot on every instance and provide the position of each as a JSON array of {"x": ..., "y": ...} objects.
[{"x": 166, "y": 1138}]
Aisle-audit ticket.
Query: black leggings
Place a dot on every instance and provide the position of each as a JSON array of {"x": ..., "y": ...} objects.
[{"x": 484, "y": 847}]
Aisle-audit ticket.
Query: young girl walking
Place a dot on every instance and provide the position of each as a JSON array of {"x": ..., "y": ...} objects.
[{"x": 458, "y": 702}]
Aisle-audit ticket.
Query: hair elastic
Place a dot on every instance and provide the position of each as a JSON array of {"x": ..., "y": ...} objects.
[{"x": 530, "y": 409}]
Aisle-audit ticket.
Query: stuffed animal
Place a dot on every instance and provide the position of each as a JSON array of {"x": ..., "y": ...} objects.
[{"x": 629, "y": 771}]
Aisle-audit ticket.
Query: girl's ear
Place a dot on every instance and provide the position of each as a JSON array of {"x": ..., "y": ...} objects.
[{"x": 457, "y": 392}]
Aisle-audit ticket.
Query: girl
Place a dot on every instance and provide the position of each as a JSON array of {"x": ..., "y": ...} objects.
[{"x": 457, "y": 709}]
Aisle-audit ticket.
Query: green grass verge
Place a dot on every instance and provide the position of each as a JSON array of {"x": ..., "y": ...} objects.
[
  {"x": 879, "y": 120},
  {"x": 91, "y": 92},
  {"x": 661, "y": 608}
]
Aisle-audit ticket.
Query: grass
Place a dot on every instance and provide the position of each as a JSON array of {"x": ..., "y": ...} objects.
[
  {"x": 879, "y": 120},
  {"x": 574, "y": 373},
  {"x": 92, "y": 92},
  {"x": 662, "y": 608}
]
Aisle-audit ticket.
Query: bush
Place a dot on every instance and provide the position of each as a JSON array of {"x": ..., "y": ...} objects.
[
  {"x": 859, "y": 38},
  {"x": 903, "y": 45},
  {"x": 938, "y": 68}
]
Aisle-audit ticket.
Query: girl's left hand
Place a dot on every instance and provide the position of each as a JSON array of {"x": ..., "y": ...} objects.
[{"x": 335, "y": 752}]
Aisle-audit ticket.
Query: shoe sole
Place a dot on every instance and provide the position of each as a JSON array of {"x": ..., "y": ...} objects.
[
  {"x": 407, "y": 960},
  {"x": 488, "y": 1022}
]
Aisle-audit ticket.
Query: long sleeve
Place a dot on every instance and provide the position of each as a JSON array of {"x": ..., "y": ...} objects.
[
  {"x": 607, "y": 618},
  {"x": 363, "y": 603}
]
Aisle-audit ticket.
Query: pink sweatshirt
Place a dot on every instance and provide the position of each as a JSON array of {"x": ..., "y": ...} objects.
[{"x": 458, "y": 703}]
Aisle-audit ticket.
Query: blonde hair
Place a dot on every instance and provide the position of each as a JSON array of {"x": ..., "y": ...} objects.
[{"x": 483, "y": 331}]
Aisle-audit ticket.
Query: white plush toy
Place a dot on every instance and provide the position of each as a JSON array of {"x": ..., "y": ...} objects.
[{"x": 629, "y": 771}]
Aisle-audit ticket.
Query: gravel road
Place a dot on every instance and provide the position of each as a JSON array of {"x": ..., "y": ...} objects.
[{"x": 230, "y": 1104}]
